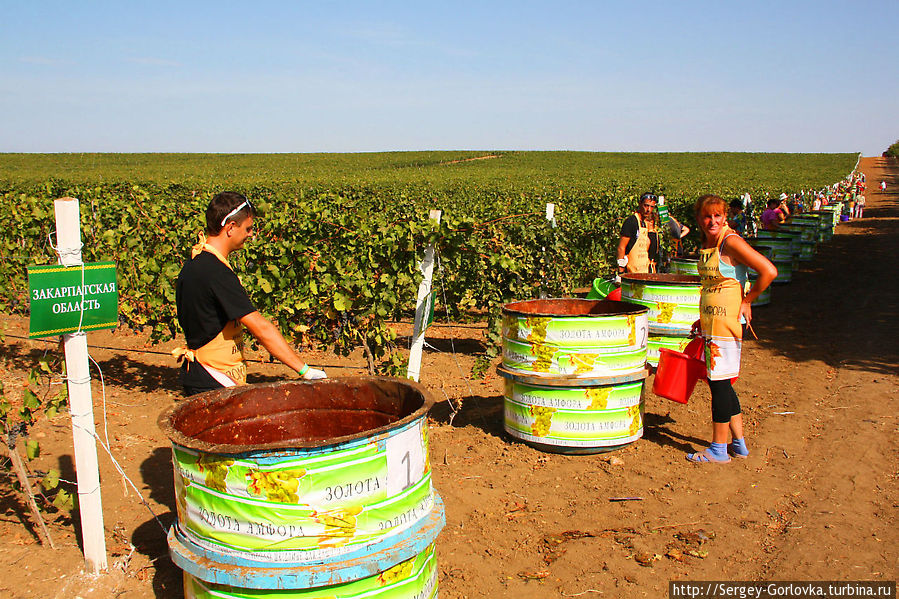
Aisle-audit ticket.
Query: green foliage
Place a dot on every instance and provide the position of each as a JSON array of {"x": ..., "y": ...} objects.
[
  {"x": 340, "y": 235},
  {"x": 893, "y": 150},
  {"x": 480, "y": 367},
  {"x": 38, "y": 400}
]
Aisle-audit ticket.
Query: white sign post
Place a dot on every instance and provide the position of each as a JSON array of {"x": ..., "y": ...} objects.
[
  {"x": 68, "y": 237},
  {"x": 422, "y": 307}
]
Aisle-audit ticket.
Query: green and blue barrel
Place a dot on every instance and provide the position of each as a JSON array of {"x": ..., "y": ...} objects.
[
  {"x": 673, "y": 303},
  {"x": 574, "y": 337},
  {"x": 764, "y": 297},
  {"x": 685, "y": 266},
  {"x": 574, "y": 373},
  {"x": 305, "y": 489},
  {"x": 808, "y": 237},
  {"x": 672, "y": 300},
  {"x": 779, "y": 251},
  {"x": 590, "y": 417},
  {"x": 835, "y": 210},
  {"x": 826, "y": 224},
  {"x": 793, "y": 237},
  {"x": 815, "y": 220}
]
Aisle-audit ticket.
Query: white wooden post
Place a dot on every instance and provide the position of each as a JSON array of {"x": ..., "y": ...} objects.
[
  {"x": 551, "y": 217},
  {"x": 68, "y": 238},
  {"x": 422, "y": 307},
  {"x": 551, "y": 214}
]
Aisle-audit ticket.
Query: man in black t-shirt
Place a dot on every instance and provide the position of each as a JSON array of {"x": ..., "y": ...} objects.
[
  {"x": 213, "y": 307},
  {"x": 638, "y": 246}
]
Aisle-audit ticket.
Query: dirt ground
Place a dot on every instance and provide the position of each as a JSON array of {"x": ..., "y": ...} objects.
[{"x": 816, "y": 500}]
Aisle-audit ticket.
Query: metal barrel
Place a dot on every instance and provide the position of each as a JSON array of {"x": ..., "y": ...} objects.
[
  {"x": 673, "y": 300},
  {"x": 780, "y": 253},
  {"x": 784, "y": 270},
  {"x": 814, "y": 220},
  {"x": 302, "y": 486},
  {"x": 781, "y": 249},
  {"x": 574, "y": 372},
  {"x": 685, "y": 266},
  {"x": 781, "y": 234},
  {"x": 826, "y": 223},
  {"x": 835, "y": 211},
  {"x": 764, "y": 297},
  {"x": 808, "y": 239}
]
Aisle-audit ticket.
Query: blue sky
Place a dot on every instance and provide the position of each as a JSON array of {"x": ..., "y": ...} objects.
[{"x": 370, "y": 76}]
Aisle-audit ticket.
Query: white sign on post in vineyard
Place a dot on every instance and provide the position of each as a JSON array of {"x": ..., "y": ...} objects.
[{"x": 424, "y": 308}]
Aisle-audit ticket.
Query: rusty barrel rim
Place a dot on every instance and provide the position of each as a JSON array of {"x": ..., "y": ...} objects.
[
  {"x": 662, "y": 279},
  {"x": 564, "y": 307},
  {"x": 569, "y": 381},
  {"x": 211, "y": 399}
]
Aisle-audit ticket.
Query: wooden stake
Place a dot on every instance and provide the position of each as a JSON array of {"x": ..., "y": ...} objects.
[
  {"x": 68, "y": 237},
  {"x": 22, "y": 475},
  {"x": 422, "y": 307}
]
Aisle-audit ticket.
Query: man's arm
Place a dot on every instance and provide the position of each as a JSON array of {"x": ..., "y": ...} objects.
[
  {"x": 628, "y": 231},
  {"x": 271, "y": 339},
  {"x": 622, "y": 245}
]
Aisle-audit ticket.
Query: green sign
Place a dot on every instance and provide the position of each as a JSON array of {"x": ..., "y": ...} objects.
[
  {"x": 663, "y": 214},
  {"x": 74, "y": 298}
]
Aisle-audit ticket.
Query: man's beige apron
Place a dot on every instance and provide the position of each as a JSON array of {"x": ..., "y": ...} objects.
[{"x": 638, "y": 258}]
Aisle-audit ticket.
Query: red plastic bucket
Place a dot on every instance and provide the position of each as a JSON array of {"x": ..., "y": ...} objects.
[{"x": 676, "y": 375}]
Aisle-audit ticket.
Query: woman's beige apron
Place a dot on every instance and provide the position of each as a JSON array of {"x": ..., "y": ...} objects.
[{"x": 719, "y": 313}]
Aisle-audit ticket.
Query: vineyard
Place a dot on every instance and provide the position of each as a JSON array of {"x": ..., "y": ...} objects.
[
  {"x": 340, "y": 235},
  {"x": 335, "y": 264}
]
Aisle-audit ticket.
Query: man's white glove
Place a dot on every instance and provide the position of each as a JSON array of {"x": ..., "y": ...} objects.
[{"x": 314, "y": 374}]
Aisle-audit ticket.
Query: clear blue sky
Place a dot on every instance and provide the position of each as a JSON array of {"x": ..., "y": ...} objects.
[{"x": 817, "y": 76}]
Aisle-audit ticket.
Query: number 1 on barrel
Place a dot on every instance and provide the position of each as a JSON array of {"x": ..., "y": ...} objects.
[
  {"x": 408, "y": 470},
  {"x": 405, "y": 460}
]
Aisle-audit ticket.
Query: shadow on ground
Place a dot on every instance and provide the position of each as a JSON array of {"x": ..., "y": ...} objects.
[
  {"x": 824, "y": 314},
  {"x": 483, "y": 412}
]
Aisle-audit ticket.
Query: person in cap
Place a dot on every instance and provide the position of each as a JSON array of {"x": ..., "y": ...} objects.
[
  {"x": 638, "y": 246},
  {"x": 213, "y": 307}
]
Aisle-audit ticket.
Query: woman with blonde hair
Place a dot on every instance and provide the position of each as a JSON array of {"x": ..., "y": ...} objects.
[{"x": 723, "y": 259}]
